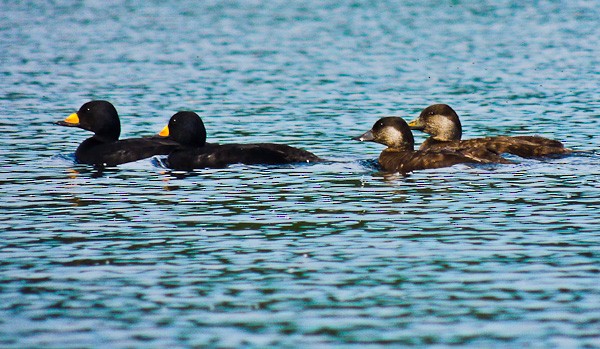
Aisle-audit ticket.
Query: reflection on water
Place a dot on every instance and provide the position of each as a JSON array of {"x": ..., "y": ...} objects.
[{"x": 333, "y": 254}]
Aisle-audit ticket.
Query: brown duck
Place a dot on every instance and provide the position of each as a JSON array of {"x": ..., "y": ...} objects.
[
  {"x": 400, "y": 156},
  {"x": 441, "y": 122}
]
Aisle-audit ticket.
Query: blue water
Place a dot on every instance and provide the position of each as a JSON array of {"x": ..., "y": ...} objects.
[{"x": 335, "y": 254}]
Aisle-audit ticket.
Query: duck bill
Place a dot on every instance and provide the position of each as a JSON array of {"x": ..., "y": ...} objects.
[
  {"x": 71, "y": 121},
  {"x": 415, "y": 125},
  {"x": 164, "y": 132},
  {"x": 365, "y": 137}
]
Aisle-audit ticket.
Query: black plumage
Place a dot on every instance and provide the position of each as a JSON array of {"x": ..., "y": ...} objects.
[
  {"x": 187, "y": 129},
  {"x": 104, "y": 148}
]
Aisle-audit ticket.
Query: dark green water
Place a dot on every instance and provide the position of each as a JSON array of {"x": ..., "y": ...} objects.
[{"x": 327, "y": 255}]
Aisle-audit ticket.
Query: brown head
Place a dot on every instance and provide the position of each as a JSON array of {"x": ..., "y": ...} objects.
[
  {"x": 440, "y": 121},
  {"x": 390, "y": 131}
]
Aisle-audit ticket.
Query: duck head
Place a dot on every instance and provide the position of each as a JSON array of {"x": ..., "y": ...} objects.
[
  {"x": 185, "y": 128},
  {"x": 440, "y": 121},
  {"x": 99, "y": 117},
  {"x": 392, "y": 132}
]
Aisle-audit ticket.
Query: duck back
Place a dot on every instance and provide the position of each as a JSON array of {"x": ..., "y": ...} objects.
[
  {"x": 219, "y": 156},
  {"x": 404, "y": 161},
  {"x": 527, "y": 146},
  {"x": 472, "y": 148},
  {"x": 489, "y": 149},
  {"x": 96, "y": 152}
]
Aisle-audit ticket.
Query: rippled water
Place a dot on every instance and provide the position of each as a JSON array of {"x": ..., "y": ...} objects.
[{"x": 327, "y": 255}]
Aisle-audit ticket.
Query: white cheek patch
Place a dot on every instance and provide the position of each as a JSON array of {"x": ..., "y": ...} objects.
[
  {"x": 393, "y": 134},
  {"x": 442, "y": 123},
  {"x": 392, "y": 137},
  {"x": 442, "y": 127}
]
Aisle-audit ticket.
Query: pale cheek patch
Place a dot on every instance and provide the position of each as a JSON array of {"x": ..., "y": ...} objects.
[
  {"x": 392, "y": 136},
  {"x": 441, "y": 127}
]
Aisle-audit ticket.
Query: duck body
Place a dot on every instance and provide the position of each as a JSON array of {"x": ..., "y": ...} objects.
[
  {"x": 403, "y": 161},
  {"x": 441, "y": 122},
  {"x": 489, "y": 149},
  {"x": 400, "y": 155},
  {"x": 186, "y": 128},
  {"x": 219, "y": 156},
  {"x": 527, "y": 146},
  {"x": 473, "y": 148},
  {"x": 104, "y": 148},
  {"x": 94, "y": 151}
]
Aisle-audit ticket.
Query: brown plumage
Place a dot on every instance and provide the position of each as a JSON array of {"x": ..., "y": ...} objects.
[
  {"x": 400, "y": 155},
  {"x": 441, "y": 122}
]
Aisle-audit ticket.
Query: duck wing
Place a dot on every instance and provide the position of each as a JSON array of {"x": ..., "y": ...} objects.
[
  {"x": 107, "y": 154},
  {"x": 404, "y": 161},
  {"x": 476, "y": 149},
  {"x": 219, "y": 156},
  {"x": 526, "y": 146}
]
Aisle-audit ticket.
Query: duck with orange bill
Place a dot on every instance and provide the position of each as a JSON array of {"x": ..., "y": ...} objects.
[
  {"x": 104, "y": 149},
  {"x": 187, "y": 129}
]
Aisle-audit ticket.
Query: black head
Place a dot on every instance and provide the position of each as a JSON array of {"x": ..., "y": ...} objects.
[
  {"x": 99, "y": 117},
  {"x": 185, "y": 128},
  {"x": 440, "y": 121},
  {"x": 390, "y": 131}
]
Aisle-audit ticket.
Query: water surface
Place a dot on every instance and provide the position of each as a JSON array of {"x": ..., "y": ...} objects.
[{"x": 335, "y": 254}]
